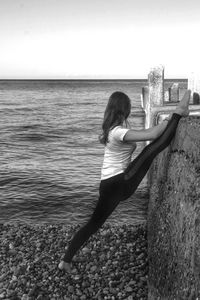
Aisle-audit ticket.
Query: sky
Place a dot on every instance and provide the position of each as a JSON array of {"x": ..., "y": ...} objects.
[{"x": 106, "y": 39}]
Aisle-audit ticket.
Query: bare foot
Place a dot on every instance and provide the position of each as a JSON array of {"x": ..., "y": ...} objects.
[
  {"x": 64, "y": 266},
  {"x": 182, "y": 107}
]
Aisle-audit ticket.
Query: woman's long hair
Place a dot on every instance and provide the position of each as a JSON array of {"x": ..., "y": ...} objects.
[{"x": 117, "y": 111}]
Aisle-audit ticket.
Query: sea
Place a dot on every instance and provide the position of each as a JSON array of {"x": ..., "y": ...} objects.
[{"x": 50, "y": 155}]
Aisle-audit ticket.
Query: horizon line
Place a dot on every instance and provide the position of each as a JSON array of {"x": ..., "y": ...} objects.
[{"x": 84, "y": 79}]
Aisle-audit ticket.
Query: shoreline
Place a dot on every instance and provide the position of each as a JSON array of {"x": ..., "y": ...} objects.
[{"x": 111, "y": 265}]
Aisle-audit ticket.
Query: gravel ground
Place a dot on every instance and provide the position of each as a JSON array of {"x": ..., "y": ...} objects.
[{"x": 112, "y": 265}]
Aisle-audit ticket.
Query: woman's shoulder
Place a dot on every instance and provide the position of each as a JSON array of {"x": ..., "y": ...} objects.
[{"x": 118, "y": 132}]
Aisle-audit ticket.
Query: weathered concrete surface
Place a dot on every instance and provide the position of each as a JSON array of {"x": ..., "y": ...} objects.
[
  {"x": 156, "y": 86},
  {"x": 174, "y": 93},
  {"x": 174, "y": 217}
]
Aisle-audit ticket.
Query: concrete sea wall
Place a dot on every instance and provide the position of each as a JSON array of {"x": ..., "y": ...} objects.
[{"x": 174, "y": 217}]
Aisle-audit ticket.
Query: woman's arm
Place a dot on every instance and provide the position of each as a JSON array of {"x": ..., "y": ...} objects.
[{"x": 145, "y": 134}]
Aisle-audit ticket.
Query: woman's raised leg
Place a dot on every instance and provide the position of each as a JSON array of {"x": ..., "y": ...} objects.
[{"x": 138, "y": 168}]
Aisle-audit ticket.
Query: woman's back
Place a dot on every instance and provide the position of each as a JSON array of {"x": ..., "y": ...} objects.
[{"x": 117, "y": 153}]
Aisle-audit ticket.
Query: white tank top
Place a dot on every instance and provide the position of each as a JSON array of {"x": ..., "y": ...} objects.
[{"x": 117, "y": 154}]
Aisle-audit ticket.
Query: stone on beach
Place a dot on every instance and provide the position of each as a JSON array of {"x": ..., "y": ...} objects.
[{"x": 112, "y": 265}]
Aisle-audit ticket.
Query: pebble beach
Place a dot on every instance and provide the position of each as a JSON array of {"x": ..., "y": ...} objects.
[{"x": 111, "y": 265}]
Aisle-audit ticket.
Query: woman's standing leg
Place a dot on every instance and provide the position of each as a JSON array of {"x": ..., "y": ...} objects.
[{"x": 111, "y": 193}]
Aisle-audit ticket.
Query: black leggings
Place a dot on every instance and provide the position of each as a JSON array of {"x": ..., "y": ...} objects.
[{"x": 120, "y": 187}]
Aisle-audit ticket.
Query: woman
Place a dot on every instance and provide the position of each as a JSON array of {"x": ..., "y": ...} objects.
[{"x": 119, "y": 176}]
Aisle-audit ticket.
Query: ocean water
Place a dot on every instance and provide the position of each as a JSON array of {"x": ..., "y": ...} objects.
[{"x": 50, "y": 154}]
